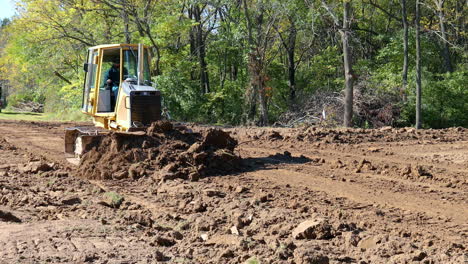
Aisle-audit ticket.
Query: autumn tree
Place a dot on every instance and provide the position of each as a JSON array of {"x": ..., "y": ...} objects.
[{"x": 345, "y": 32}]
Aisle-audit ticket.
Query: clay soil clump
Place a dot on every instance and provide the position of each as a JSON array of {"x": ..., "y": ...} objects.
[{"x": 164, "y": 152}]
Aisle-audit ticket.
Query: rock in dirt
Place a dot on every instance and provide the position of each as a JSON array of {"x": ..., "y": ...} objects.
[
  {"x": 310, "y": 256},
  {"x": 159, "y": 256},
  {"x": 120, "y": 175},
  {"x": 419, "y": 256},
  {"x": 164, "y": 241},
  {"x": 351, "y": 239},
  {"x": 35, "y": 167},
  {"x": 139, "y": 217},
  {"x": 369, "y": 242},
  {"x": 227, "y": 254},
  {"x": 317, "y": 228},
  {"x": 177, "y": 235},
  {"x": 112, "y": 199},
  {"x": 199, "y": 206},
  {"x": 6, "y": 166},
  {"x": 204, "y": 237},
  {"x": 240, "y": 189},
  {"x": 386, "y": 128},
  {"x": 71, "y": 201},
  {"x": 234, "y": 230},
  {"x": 213, "y": 193},
  {"x": 8, "y": 217},
  {"x": 420, "y": 171},
  {"x": 275, "y": 135}
]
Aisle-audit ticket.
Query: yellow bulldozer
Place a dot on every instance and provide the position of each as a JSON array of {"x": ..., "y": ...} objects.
[{"x": 117, "y": 93}]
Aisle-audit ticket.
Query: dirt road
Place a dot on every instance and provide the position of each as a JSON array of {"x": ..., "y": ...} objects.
[{"x": 302, "y": 196}]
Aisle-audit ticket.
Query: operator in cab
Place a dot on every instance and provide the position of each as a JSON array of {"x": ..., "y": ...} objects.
[{"x": 112, "y": 79}]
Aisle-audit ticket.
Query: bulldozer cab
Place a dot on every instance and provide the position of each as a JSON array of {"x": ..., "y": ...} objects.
[{"x": 117, "y": 91}]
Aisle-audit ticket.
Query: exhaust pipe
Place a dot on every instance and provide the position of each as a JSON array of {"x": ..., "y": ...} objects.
[{"x": 140, "y": 63}]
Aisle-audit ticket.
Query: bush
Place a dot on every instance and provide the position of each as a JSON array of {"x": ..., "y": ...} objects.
[
  {"x": 444, "y": 101},
  {"x": 16, "y": 99}
]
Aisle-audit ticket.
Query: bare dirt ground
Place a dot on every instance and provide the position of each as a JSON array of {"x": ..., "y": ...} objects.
[{"x": 300, "y": 196}]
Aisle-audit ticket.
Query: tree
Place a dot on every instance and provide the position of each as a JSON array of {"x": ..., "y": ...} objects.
[
  {"x": 418, "y": 67},
  {"x": 405, "y": 49},
  {"x": 293, "y": 22},
  {"x": 202, "y": 18},
  {"x": 444, "y": 41},
  {"x": 289, "y": 44},
  {"x": 259, "y": 23},
  {"x": 345, "y": 32}
]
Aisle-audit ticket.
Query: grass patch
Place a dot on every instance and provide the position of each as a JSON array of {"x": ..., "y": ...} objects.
[
  {"x": 10, "y": 115},
  {"x": 252, "y": 260},
  {"x": 74, "y": 115},
  {"x": 113, "y": 199}
]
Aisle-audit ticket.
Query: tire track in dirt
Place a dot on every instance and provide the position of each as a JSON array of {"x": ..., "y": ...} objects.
[
  {"x": 365, "y": 187},
  {"x": 38, "y": 138},
  {"x": 332, "y": 157},
  {"x": 399, "y": 159},
  {"x": 357, "y": 193}
]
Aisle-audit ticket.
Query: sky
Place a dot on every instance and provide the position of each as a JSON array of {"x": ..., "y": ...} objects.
[{"x": 6, "y": 8}]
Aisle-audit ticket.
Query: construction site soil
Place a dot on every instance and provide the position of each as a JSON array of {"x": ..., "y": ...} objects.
[
  {"x": 196, "y": 194},
  {"x": 164, "y": 151}
]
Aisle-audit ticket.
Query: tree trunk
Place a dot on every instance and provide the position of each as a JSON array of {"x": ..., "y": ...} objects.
[
  {"x": 200, "y": 50},
  {"x": 156, "y": 70},
  {"x": 445, "y": 47},
  {"x": 405, "y": 50},
  {"x": 263, "y": 101},
  {"x": 345, "y": 32},
  {"x": 418, "y": 69},
  {"x": 234, "y": 71},
  {"x": 291, "y": 48},
  {"x": 204, "y": 78},
  {"x": 126, "y": 22},
  {"x": 193, "y": 44},
  {"x": 251, "y": 93}
]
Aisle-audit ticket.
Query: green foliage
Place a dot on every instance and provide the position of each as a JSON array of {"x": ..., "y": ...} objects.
[
  {"x": 324, "y": 71},
  {"x": 444, "y": 94},
  {"x": 224, "y": 105},
  {"x": 445, "y": 101},
  {"x": 252, "y": 260},
  {"x": 70, "y": 115},
  {"x": 180, "y": 96},
  {"x": 52, "y": 36},
  {"x": 15, "y": 99}
]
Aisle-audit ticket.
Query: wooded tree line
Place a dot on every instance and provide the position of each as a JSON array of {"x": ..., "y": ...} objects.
[{"x": 357, "y": 63}]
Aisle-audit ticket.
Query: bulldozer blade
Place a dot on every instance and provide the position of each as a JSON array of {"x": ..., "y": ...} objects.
[{"x": 79, "y": 140}]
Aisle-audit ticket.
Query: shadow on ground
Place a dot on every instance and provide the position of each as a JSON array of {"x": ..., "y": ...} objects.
[{"x": 262, "y": 163}]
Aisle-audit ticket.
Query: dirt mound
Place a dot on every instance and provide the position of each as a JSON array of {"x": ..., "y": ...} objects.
[
  {"x": 359, "y": 135},
  {"x": 28, "y": 107},
  {"x": 164, "y": 151}
]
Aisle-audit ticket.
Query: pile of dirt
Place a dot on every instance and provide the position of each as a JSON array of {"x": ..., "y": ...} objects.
[
  {"x": 164, "y": 151},
  {"x": 28, "y": 106},
  {"x": 360, "y": 135}
]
